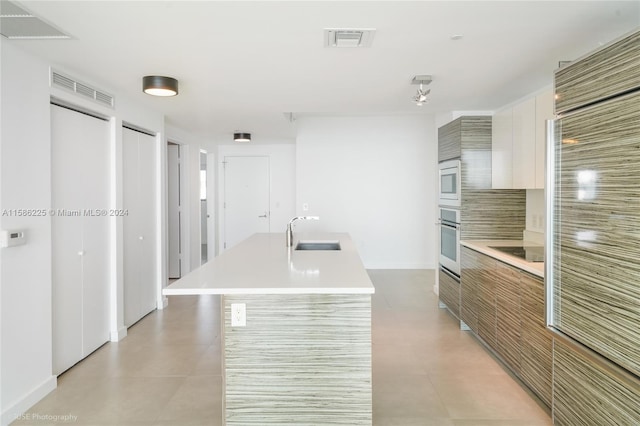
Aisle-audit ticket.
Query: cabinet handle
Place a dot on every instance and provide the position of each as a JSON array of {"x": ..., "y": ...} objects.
[
  {"x": 264, "y": 215},
  {"x": 81, "y": 253}
]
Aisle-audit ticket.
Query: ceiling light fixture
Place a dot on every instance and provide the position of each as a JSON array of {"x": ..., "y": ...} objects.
[
  {"x": 242, "y": 137},
  {"x": 421, "y": 95},
  {"x": 157, "y": 85}
]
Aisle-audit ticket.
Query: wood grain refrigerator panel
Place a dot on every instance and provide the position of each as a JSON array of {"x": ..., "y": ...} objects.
[{"x": 596, "y": 231}]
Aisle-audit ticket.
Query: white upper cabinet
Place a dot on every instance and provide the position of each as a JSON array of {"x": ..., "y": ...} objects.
[
  {"x": 544, "y": 112},
  {"x": 518, "y": 143},
  {"x": 524, "y": 144}
]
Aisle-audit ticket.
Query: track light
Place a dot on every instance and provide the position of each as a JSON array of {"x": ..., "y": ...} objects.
[
  {"x": 157, "y": 85},
  {"x": 242, "y": 137},
  {"x": 421, "y": 95}
]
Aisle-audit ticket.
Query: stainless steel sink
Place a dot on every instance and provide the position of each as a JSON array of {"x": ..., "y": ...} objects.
[{"x": 318, "y": 245}]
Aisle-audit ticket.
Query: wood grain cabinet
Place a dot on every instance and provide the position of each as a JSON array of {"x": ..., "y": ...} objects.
[
  {"x": 449, "y": 141},
  {"x": 471, "y": 268},
  {"x": 486, "y": 301},
  {"x": 581, "y": 83},
  {"x": 508, "y": 314},
  {"x": 449, "y": 292},
  {"x": 504, "y": 307},
  {"x": 591, "y": 392},
  {"x": 536, "y": 343}
]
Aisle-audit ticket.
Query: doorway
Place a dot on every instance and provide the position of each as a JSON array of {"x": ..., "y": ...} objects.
[
  {"x": 174, "y": 214},
  {"x": 204, "y": 209},
  {"x": 246, "y": 198}
]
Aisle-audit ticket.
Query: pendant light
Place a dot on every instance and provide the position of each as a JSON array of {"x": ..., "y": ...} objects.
[
  {"x": 242, "y": 137},
  {"x": 157, "y": 85}
]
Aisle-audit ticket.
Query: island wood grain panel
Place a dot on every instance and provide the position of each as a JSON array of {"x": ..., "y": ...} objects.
[
  {"x": 587, "y": 393},
  {"x": 449, "y": 292},
  {"x": 596, "y": 289},
  {"x": 536, "y": 343},
  {"x": 611, "y": 70},
  {"x": 300, "y": 360}
]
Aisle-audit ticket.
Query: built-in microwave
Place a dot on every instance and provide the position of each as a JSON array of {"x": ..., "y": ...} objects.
[{"x": 449, "y": 183}]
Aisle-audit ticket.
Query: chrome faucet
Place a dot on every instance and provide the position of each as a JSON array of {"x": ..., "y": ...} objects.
[{"x": 290, "y": 227}]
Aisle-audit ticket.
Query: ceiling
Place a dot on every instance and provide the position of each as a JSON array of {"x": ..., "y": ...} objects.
[{"x": 243, "y": 65}]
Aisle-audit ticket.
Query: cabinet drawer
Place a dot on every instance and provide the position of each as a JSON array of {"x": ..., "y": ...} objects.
[
  {"x": 582, "y": 83},
  {"x": 449, "y": 292},
  {"x": 585, "y": 388}
]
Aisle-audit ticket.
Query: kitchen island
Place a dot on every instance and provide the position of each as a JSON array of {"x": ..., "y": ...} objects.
[{"x": 296, "y": 331}]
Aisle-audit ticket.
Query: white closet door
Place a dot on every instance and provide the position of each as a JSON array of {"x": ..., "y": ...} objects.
[
  {"x": 131, "y": 245},
  {"x": 147, "y": 197},
  {"x": 80, "y": 251},
  {"x": 94, "y": 191},
  {"x": 140, "y": 192}
]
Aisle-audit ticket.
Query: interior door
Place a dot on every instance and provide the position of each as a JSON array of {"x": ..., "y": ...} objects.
[
  {"x": 173, "y": 216},
  {"x": 139, "y": 225},
  {"x": 80, "y": 241},
  {"x": 211, "y": 222},
  {"x": 246, "y": 197},
  {"x": 94, "y": 187},
  {"x": 147, "y": 197}
]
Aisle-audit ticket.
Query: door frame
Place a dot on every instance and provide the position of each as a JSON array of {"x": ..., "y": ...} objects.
[{"x": 185, "y": 211}]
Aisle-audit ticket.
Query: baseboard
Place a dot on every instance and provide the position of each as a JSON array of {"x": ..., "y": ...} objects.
[
  {"x": 165, "y": 303},
  {"x": 20, "y": 407},
  {"x": 118, "y": 334},
  {"x": 401, "y": 266}
]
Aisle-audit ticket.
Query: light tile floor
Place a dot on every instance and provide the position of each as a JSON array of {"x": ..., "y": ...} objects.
[{"x": 426, "y": 371}]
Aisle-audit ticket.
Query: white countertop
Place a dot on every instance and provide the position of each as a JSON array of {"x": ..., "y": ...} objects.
[
  {"x": 262, "y": 264},
  {"x": 482, "y": 246}
]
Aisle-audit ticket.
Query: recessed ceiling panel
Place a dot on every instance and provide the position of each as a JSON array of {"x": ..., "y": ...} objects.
[{"x": 17, "y": 23}]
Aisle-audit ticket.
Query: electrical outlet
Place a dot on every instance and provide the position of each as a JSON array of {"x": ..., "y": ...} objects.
[
  {"x": 305, "y": 207},
  {"x": 238, "y": 315}
]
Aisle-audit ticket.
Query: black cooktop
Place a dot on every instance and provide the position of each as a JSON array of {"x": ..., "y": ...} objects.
[{"x": 528, "y": 253}]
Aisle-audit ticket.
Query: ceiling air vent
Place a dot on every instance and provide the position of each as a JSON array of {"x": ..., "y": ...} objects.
[
  {"x": 18, "y": 24},
  {"x": 68, "y": 83},
  {"x": 348, "y": 37}
]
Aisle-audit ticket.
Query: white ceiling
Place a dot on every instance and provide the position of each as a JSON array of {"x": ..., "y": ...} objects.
[{"x": 242, "y": 64}]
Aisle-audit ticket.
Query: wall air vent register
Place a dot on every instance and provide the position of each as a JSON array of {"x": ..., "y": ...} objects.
[
  {"x": 68, "y": 83},
  {"x": 348, "y": 37}
]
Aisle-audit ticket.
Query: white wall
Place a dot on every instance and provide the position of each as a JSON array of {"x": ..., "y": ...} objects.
[
  {"x": 25, "y": 271},
  {"x": 25, "y": 171},
  {"x": 282, "y": 160},
  {"x": 375, "y": 178}
]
